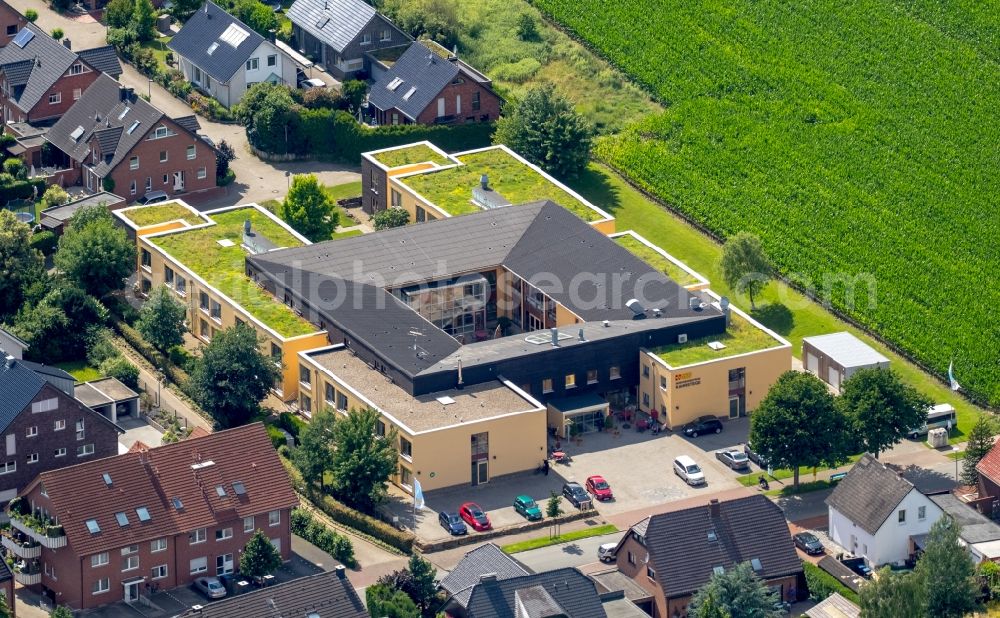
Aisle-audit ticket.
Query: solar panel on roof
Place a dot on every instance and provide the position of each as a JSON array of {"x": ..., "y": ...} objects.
[
  {"x": 23, "y": 37},
  {"x": 234, "y": 35}
]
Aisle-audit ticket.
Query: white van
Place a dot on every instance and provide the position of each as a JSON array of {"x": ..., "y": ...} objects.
[
  {"x": 687, "y": 469},
  {"x": 606, "y": 552},
  {"x": 941, "y": 415}
]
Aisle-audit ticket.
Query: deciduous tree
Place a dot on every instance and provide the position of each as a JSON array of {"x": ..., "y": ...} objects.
[
  {"x": 161, "y": 319},
  {"x": 233, "y": 376},
  {"x": 353, "y": 93},
  {"x": 362, "y": 462},
  {"x": 20, "y": 265},
  {"x": 545, "y": 129},
  {"x": 308, "y": 209},
  {"x": 259, "y": 557},
  {"x": 893, "y": 595},
  {"x": 553, "y": 507},
  {"x": 880, "y": 408},
  {"x": 144, "y": 20},
  {"x": 739, "y": 593},
  {"x": 118, "y": 13},
  {"x": 980, "y": 443},
  {"x": 387, "y": 602},
  {"x": 947, "y": 572},
  {"x": 95, "y": 253},
  {"x": 745, "y": 267},
  {"x": 224, "y": 155},
  {"x": 389, "y": 218},
  {"x": 312, "y": 455},
  {"x": 437, "y": 20},
  {"x": 798, "y": 424}
]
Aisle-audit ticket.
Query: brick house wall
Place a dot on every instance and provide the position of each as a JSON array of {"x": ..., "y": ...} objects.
[
  {"x": 100, "y": 433},
  {"x": 10, "y": 22},
  {"x": 149, "y": 153},
  {"x": 463, "y": 93},
  {"x": 66, "y": 89}
]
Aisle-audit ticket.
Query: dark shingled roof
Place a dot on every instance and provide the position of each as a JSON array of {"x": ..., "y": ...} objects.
[
  {"x": 745, "y": 529},
  {"x": 189, "y": 122},
  {"x": 335, "y": 22},
  {"x": 567, "y": 588},
  {"x": 488, "y": 558},
  {"x": 976, "y": 527},
  {"x": 539, "y": 240},
  {"x": 869, "y": 493},
  {"x": 203, "y": 30},
  {"x": 103, "y": 59},
  {"x": 419, "y": 70},
  {"x": 18, "y": 386},
  {"x": 327, "y": 595}
]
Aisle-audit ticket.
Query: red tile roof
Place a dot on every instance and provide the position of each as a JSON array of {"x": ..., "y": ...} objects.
[
  {"x": 190, "y": 470},
  {"x": 989, "y": 466}
]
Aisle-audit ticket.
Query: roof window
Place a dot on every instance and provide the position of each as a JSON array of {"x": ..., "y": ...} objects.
[
  {"x": 178, "y": 505},
  {"x": 239, "y": 488},
  {"x": 395, "y": 83},
  {"x": 92, "y": 526},
  {"x": 122, "y": 519},
  {"x": 142, "y": 513},
  {"x": 131, "y": 129},
  {"x": 107, "y": 479}
]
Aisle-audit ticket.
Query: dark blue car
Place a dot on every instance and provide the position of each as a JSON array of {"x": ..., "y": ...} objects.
[{"x": 451, "y": 522}]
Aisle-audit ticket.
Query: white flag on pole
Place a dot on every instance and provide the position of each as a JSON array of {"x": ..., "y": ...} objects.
[
  {"x": 418, "y": 495},
  {"x": 951, "y": 376}
]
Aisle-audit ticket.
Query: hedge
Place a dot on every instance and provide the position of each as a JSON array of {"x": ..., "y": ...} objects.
[
  {"x": 337, "y": 545},
  {"x": 291, "y": 423},
  {"x": 173, "y": 373},
  {"x": 821, "y": 584},
  {"x": 22, "y": 189},
  {"x": 277, "y": 437}
]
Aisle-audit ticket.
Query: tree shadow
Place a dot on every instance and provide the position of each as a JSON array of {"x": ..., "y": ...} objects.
[
  {"x": 775, "y": 316},
  {"x": 595, "y": 187}
]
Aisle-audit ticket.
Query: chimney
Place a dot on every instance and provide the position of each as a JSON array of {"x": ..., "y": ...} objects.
[
  {"x": 488, "y": 577},
  {"x": 694, "y": 303},
  {"x": 271, "y": 34},
  {"x": 484, "y": 182},
  {"x": 67, "y": 44},
  {"x": 246, "y": 226},
  {"x": 713, "y": 507},
  {"x": 341, "y": 572},
  {"x": 461, "y": 383},
  {"x": 9, "y": 362},
  {"x": 724, "y": 304},
  {"x": 122, "y": 93},
  {"x": 555, "y": 336},
  {"x": 582, "y": 338}
]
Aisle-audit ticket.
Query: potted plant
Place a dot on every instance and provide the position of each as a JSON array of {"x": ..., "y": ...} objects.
[
  {"x": 574, "y": 432},
  {"x": 609, "y": 422}
]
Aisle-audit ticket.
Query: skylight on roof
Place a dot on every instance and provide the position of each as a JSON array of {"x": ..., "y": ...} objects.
[
  {"x": 124, "y": 112},
  {"x": 107, "y": 479},
  {"x": 76, "y": 134},
  {"x": 221, "y": 490},
  {"x": 540, "y": 338},
  {"x": 212, "y": 48},
  {"x": 92, "y": 526},
  {"x": 409, "y": 93},
  {"x": 23, "y": 37},
  {"x": 202, "y": 464},
  {"x": 712, "y": 536},
  {"x": 178, "y": 505},
  {"x": 445, "y": 400},
  {"x": 142, "y": 513},
  {"x": 234, "y": 35},
  {"x": 718, "y": 570},
  {"x": 322, "y": 22},
  {"x": 395, "y": 83},
  {"x": 757, "y": 566},
  {"x": 239, "y": 488},
  {"x": 131, "y": 129},
  {"x": 122, "y": 519}
]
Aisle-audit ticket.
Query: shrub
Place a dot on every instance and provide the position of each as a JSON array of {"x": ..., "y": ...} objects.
[
  {"x": 99, "y": 347},
  {"x": 291, "y": 423},
  {"x": 45, "y": 242},
  {"x": 821, "y": 584},
  {"x": 123, "y": 370},
  {"x": 16, "y": 168},
  {"x": 277, "y": 438},
  {"x": 31, "y": 15},
  {"x": 527, "y": 30},
  {"x": 314, "y": 531},
  {"x": 57, "y": 33},
  {"x": 108, "y": 184},
  {"x": 54, "y": 196}
]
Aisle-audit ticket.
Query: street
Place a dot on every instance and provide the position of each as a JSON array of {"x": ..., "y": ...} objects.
[{"x": 572, "y": 554}]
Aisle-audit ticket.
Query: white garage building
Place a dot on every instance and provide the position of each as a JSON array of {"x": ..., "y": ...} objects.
[{"x": 835, "y": 357}]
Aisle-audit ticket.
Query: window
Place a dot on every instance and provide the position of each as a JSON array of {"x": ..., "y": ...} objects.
[
  {"x": 163, "y": 156},
  {"x": 396, "y": 198},
  {"x": 341, "y": 401},
  {"x": 80, "y": 429},
  {"x": 547, "y": 385},
  {"x": 386, "y": 35},
  {"x": 101, "y": 586},
  {"x": 60, "y": 452},
  {"x": 32, "y": 431},
  {"x": 274, "y": 518},
  {"x": 55, "y": 98},
  {"x": 330, "y": 395},
  {"x": 133, "y": 163},
  {"x": 570, "y": 380},
  {"x": 645, "y": 399},
  {"x": 305, "y": 404},
  {"x": 166, "y": 178},
  {"x": 631, "y": 558},
  {"x": 614, "y": 372},
  {"x": 405, "y": 448},
  {"x": 7, "y": 468},
  {"x": 650, "y": 573},
  {"x": 921, "y": 513},
  {"x": 663, "y": 383},
  {"x": 591, "y": 376},
  {"x": 157, "y": 545},
  {"x": 276, "y": 353},
  {"x": 149, "y": 183},
  {"x": 202, "y": 173},
  {"x": 405, "y": 477},
  {"x": 192, "y": 152},
  {"x": 216, "y": 311},
  {"x": 76, "y": 69},
  {"x": 146, "y": 259},
  {"x": 305, "y": 376},
  {"x": 223, "y": 533},
  {"x": 92, "y": 526},
  {"x": 84, "y": 450},
  {"x": 99, "y": 560},
  {"x": 77, "y": 93},
  {"x": 366, "y": 38},
  {"x": 45, "y": 405},
  {"x": 198, "y": 565},
  {"x": 12, "y": 30},
  {"x": 645, "y": 371},
  {"x": 181, "y": 287},
  {"x": 475, "y": 101},
  {"x": 379, "y": 428},
  {"x": 203, "y": 301},
  {"x": 272, "y": 60},
  {"x": 129, "y": 550},
  {"x": 132, "y": 188},
  {"x": 161, "y": 131},
  {"x": 902, "y": 516},
  {"x": 248, "y": 524},
  {"x": 203, "y": 329},
  {"x": 59, "y": 425},
  {"x": 33, "y": 458},
  {"x": 168, "y": 276},
  {"x": 197, "y": 536},
  {"x": 130, "y": 563},
  {"x": 122, "y": 519},
  {"x": 253, "y": 64},
  {"x": 159, "y": 572}
]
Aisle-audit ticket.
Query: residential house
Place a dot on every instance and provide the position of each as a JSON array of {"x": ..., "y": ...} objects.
[
  {"x": 123, "y": 526},
  {"x": 338, "y": 33},
  {"x": 460, "y": 581},
  {"x": 223, "y": 57},
  {"x": 11, "y": 345},
  {"x": 987, "y": 498},
  {"x": 44, "y": 427},
  {"x": 114, "y": 140},
  {"x": 562, "y": 592},
  {"x": 979, "y": 534},
  {"x": 874, "y": 512},
  {"x": 41, "y": 78},
  {"x": 674, "y": 554},
  {"x": 834, "y": 606},
  {"x": 428, "y": 84},
  {"x": 11, "y": 21}
]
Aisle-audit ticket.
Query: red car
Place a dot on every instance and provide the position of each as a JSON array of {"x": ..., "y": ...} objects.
[
  {"x": 599, "y": 488},
  {"x": 474, "y": 516}
]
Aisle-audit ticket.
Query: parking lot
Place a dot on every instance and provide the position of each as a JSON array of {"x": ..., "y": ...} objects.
[{"x": 639, "y": 467}]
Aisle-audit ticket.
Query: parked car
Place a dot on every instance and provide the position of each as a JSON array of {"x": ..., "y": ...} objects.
[
  {"x": 734, "y": 459},
  {"x": 807, "y": 542},
  {"x": 704, "y": 424},
  {"x": 687, "y": 469},
  {"x": 312, "y": 82},
  {"x": 153, "y": 197},
  {"x": 211, "y": 587},
  {"x": 576, "y": 494},
  {"x": 527, "y": 507},
  {"x": 452, "y": 523},
  {"x": 607, "y": 552},
  {"x": 599, "y": 488},
  {"x": 858, "y": 565},
  {"x": 753, "y": 456},
  {"x": 474, "y": 516}
]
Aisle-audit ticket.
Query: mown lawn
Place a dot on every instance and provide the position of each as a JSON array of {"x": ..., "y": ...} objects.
[
  {"x": 858, "y": 140},
  {"x": 545, "y": 541},
  {"x": 80, "y": 370}
]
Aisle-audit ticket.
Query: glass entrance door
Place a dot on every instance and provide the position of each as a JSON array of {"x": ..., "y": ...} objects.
[{"x": 131, "y": 591}]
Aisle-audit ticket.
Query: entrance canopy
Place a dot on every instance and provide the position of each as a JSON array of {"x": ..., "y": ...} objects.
[{"x": 583, "y": 411}]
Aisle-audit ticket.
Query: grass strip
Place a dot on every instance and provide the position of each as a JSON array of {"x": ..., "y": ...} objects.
[{"x": 546, "y": 541}]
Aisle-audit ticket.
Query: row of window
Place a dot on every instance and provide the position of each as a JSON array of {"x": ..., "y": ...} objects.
[
  {"x": 81, "y": 451},
  {"x": 192, "y": 154},
  {"x": 58, "y": 425},
  {"x": 55, "y": 98},
  {"x": 569, "y": 381},
  {"x": 384, "y": 35},
  {"x": 254, "y": 63},
  {"x": 103, "y": 584},
  {"x": 221, "y": 534}
]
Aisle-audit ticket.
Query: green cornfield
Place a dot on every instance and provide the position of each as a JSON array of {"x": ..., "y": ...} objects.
[{"x": 859, "y": 139}]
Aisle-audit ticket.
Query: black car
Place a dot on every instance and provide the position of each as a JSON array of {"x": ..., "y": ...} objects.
[
  {"x": 858, "y": 565},
  {"x": 452, "y": 523},
  {"x": 808, "y": 543},
  {"x": 753, "y": 456},
  {"x": 704, "y": 424},
  {"x": 576, "y": 494}
]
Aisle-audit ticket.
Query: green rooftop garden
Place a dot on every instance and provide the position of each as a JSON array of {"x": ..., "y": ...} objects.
[
  {"x": 161, "y": 213},
  {"x": 417, "y": 153},
  {"x": 657, "y": 261},
  {"x": 741, "y": 337},
  {"x": 451, "y": 189},
  {"x": 223, "y": 267}
]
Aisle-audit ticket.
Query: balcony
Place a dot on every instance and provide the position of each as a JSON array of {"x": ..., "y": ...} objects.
[
  {"x": 21, "y": 545},
  {"x": 27, "y": 572},
  {"x": 48, "y": 535}
]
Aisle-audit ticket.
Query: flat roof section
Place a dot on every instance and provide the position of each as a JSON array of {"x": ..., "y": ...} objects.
[
  {"x": 155, "y": 214},
  {"x": 422, "y": 413},
  {"x": 421, "y": 152},
  {"x": 114, "y": 388},
  {"x": 742, "y": 336},
  {"x": 846, "y": 350}
]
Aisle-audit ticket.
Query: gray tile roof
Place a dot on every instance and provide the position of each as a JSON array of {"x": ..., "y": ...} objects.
[
  {"x": 976, "y": 527},
  {"x": 18, "y": 386},
  {"x": 203, "y": 32},
  {"x": 327, "y": 595},
  {"x": 103, "y": 59},
  {"x": 846, "y": 350},
  {"x": 35, "y": 66},
  {"x": 745, "y": 528},
  {"x": 570, "y": 589},
  {"x": 488, "y": 558},
  {"x": 335, "y": 22},
  {"x": 417, "y": 78},
  {"x": 189, "y": 122},
  {"x": 869, "y": 493}
]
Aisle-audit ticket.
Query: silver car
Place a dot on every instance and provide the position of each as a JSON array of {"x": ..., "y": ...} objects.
[{"x": 211, "y": 587}]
